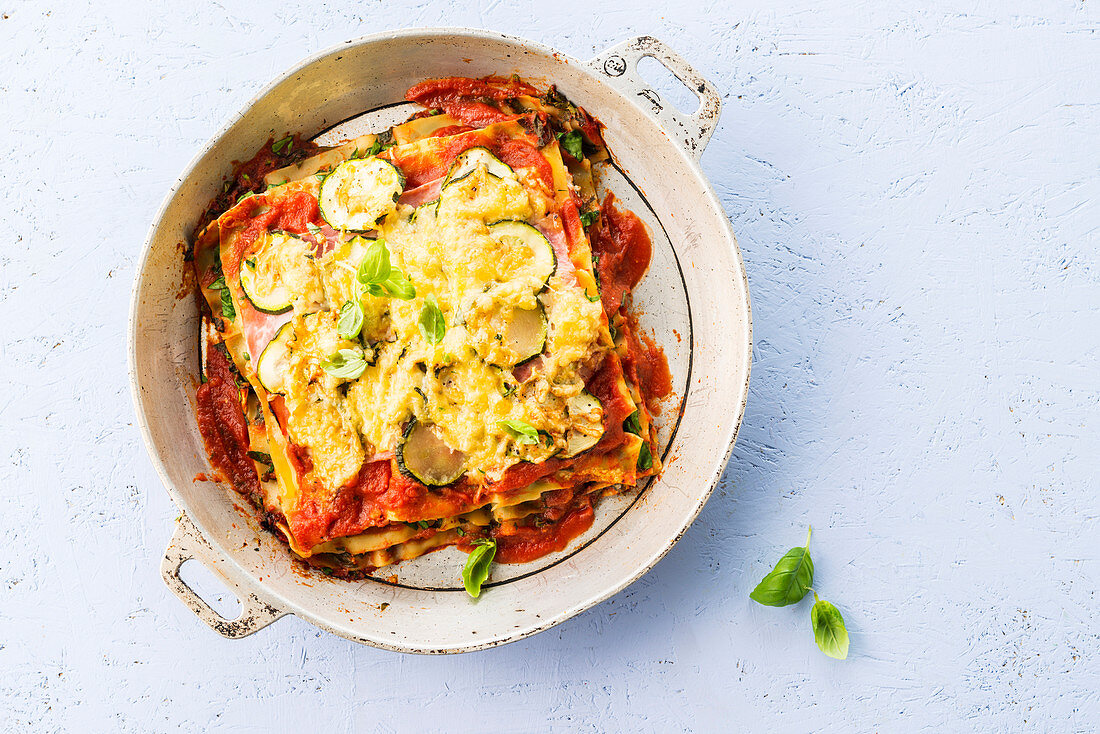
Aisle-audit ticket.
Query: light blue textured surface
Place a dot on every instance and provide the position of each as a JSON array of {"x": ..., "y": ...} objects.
[{"x": 915, "y": 193}]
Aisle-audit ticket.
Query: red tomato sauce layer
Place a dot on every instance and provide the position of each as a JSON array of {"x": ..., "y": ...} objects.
[
  {"x": 566, "y": 521},
  {"x": 223, "y": 425}
]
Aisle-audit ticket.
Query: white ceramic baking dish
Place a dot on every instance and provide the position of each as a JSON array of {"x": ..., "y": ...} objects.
[{"x": 694, "y": 301}]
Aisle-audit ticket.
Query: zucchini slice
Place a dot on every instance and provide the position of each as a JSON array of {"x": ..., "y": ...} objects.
[
  {"x": 359, "y": 193},
  {"x": 587, "y": 411},
  {"x": 542, "y": 260},
  {"x": 275, "y": 359},
  {"x": 424, "y": 457},
  {"x": 468, "y": 161},
  {"x": 261, "y": 280},
  {"x": 524, "y": 335}
]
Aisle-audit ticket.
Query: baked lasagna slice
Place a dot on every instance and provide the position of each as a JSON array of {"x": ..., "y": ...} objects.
[{"x": 422, "y": 338}]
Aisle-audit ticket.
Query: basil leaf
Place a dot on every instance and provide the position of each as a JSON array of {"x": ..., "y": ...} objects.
[
  {"x": 476, "y": 569},
  {"x": 522, "y": 431},
  {"x": 588, "y": 217},
  {"x": 830, "y": 634},
  {"x": 632, "y": 424},
  {"x": 347, "y": 364},
  {"x": 432, "y": 325},
  {"x": 375, "y": 267},
  {"x": 375, "y": 148},
  {"x": 399, "y": 286},
  {"x": 350, "y": 322},
  {"x": 282, "y": 147},
  {"x": 645, "y": 457},
  {"x": 571, "y": 143},
  {"x": 789, "y": 581}
]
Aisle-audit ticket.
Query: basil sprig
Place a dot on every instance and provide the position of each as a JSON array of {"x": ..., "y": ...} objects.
[
  {"x": 522, "y": 431},
  {"x": 588, "y": 217},
  {"x": 350, "y": 321},
  {"x": 432, "y": 325},
  {"x": 228, "y": 311},
  {"x": 346, "y": 364},
  {"x": 571, "y": 143},
  {"x": 788, "y": 583},
  {"x": 379, "y": 278},
  {"x": 477, "y": 565}
]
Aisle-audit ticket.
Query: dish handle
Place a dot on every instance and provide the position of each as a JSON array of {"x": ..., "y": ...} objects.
[
  {"x": 187, "y": 544},
  {"x": 618, "y": 66}
]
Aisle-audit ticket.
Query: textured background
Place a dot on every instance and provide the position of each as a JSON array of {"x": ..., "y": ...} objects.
[{"x": 915, "y": 193}]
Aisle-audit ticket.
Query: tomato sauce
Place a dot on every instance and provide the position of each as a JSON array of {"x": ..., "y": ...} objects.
[
  {"x": 604, "y": 386},
  {"x": 223, "y": 425},
  {"x": 466, "y": 99},
  {"x": 355, "y": 508},
  {"x": 624, "y": 248},
  {"x": 529, "y": 542},
  {"x": 520, "y": 153},
  {"x": 646, "y": 363}
]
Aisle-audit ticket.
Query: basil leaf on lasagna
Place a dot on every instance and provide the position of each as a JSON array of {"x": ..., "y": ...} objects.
[
  {"x": 347, "y": 364},
  {"x": 432, "y": 325},
  {"x": 375, "y": 267},
  {"x": 350, "y": 322},
  {"x": 522, "y": 431},
  {"x": 399, "y": 286},
  {"x": 476, "y": 570}
]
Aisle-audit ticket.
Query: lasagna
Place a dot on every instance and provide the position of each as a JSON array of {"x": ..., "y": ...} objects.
[{"x": 422, "y": 338}]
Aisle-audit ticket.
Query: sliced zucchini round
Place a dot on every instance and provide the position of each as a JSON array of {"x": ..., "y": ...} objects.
[
  {"x": 359, "y": 193},
  {"x": 260, "y": 278},
  {"x": 524, "y": 334},
  {"x": 468, "y": 161},
  {"x": 543, "y": 262},
  {"x": 274, "y": 360},
  {"x": 586, "y": 410},
  {"x": 424, "y": 457}
]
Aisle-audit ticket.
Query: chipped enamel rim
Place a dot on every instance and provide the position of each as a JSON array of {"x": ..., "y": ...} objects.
[{"x": 680, "y": 139}]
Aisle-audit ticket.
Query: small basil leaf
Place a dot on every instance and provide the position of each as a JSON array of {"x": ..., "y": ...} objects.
[
  {"x": 346, "y": 364},
  {"x": 432, "y": 325},
  {"x": 350, "y": 322},
  {"x": 571, "y": 143},
  {"x": 645, "y": 457},
  {"x": 789, "y": 581},
  {"x": 588, "y": 217},
  {"x": 830, "y": 634},
  {"x": 399, "y": 286},
  {"x": 375, "y": 267},
  {"x": 476, "y": 569},
  {"x": 522, "y": 431}
]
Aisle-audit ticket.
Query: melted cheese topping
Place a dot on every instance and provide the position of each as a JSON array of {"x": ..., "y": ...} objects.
[{"x": 446, "y": 250}]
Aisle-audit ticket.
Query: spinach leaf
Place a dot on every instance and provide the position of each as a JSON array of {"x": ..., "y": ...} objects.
[{"x": 571, "y": 143}]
